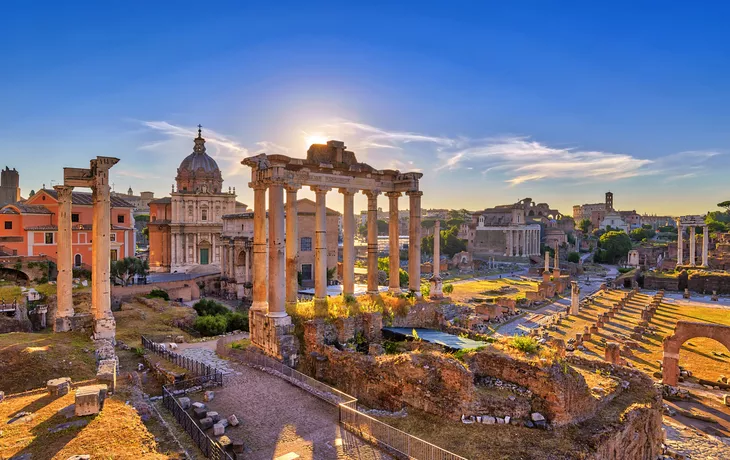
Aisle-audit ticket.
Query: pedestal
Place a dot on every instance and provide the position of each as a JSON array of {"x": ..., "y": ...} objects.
[{"x": 275, "y": 336}]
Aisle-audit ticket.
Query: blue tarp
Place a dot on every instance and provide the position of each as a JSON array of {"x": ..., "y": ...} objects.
[{"x": 445, "y": 339}]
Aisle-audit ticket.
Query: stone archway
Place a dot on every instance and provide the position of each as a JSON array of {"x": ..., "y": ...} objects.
[{"x": 683, "y": 331}]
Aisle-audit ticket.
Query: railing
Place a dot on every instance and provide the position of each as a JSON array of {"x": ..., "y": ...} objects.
[
  {"x": 197, "y": 368},
  {"x": 207, "y": 446},
  {"x": 393, "y": 440}
]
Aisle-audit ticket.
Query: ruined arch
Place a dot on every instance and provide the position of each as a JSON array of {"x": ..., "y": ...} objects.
[
  {"x": 17, "y": 276},
  {"x": 683, "y": 331}
]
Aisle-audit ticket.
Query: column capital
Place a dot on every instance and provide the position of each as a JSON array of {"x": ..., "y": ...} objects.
[
  {"x": 292, "y": 188},
  {"x": 414, "y": 193},
  {"x": 371, "y": 193},
  {"x": 319, "y": 189},
  {"x": 393, "y": 194},
  {"x": 64, "y": 191},
  {"x": 347, "y": 191},
  {"x": 259, "y": 185}
]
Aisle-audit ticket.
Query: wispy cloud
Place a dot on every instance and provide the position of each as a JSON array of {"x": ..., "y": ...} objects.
[
  {"x": 135, "y": 174},
  {"x": 516, "y": 159}
]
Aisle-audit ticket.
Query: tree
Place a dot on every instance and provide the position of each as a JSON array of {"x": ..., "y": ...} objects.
[
  {"x": 585, "y": 225},
  {"x": 639, "y": 234},
  {"x": 384, "y": 265},
  {"x": 450, "y": 242},
  {"x": 32, "y": 192},
  {"x": 598, "y": 232},
  {"x": 724, "y": 204},
  {"x": 362, "y": 230},
  {"x": 574, "y": 257},
  {"x": 146, "y": 232},
  {"x": 123, "y": 270},
  {"x": 142, "y": 218},
  {"x": 428, "y": 224},
  {"x": 615, "y": 244},
  {"x": 382, "y": 226}
]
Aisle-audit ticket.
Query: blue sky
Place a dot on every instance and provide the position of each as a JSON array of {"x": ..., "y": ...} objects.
[{"x": 492, "y": 101}]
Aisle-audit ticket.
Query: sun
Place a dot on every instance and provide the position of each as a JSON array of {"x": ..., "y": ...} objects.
[{"x": 316, "y": 139}]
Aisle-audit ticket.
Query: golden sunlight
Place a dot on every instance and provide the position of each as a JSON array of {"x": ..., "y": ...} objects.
[{"x": 316, "y": 138}]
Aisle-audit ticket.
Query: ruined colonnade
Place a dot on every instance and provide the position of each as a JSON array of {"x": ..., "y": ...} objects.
[{"x": 692, "y": 222}]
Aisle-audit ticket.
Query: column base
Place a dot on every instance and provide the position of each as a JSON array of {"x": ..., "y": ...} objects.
[
  {"x": 395, "y": 291},
  {"x": 105, "y": 328},
  {"x": 437, "y": 291},
  {"x": 320, "y": 306},
  {"x": 62, "y": 324},
  {"x": 275, "y": 336},
  {"x": 260, "y": 305},
  {"x": 280, "y": 317}
]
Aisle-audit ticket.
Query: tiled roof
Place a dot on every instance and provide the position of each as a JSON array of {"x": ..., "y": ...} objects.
[
  {"x": 165, "y": 200},
  {"x": 84, "y": 198},
  {"x": 25, "y": 209},
  {"x": 54, "y": 228}
]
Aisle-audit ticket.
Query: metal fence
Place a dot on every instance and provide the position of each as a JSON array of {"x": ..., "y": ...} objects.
[
  {"x": 393, "y": 440},
  {"x": 207, "y": 446},
  {"x": 196, "y": 368}
]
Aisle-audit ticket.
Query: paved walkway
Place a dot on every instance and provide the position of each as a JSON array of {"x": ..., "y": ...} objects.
[{"x": 278, "y": 420}]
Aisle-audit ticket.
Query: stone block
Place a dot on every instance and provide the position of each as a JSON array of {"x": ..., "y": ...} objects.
[
  {"x": 238, "y": 447},
  {"x": 233, "y": 420},
  {"x": 726, "y": 400},
  {"x": 106, "y": 373},
  {"x": 2, "y": 395},
  {"x": 199, "y": 412},
  {"x": 213, "y": 415},
  {"x": 80, "y": 457},
  {"x": 375, "y": 349},
  {"x": 224, "y": 442},
  {"x": 208, "y": 396},
  {"x": 184, "y": 403},
  {"x": 218, "y": 429},
  {"x": 198, "y": 405},
  {"x": 59, "y": 386},
  {"x": 87, "y": 401},
  {"x": 224, "y": 422},
  {"x": 206, "y": 422},
  {"x": 488, "y": 420},
  {"x": 179, "y": 339}
]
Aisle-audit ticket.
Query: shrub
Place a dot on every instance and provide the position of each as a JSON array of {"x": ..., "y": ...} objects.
[
  {"x": 139, "y": 351},
  {"x": 448, "y": 288},
  {"x": 158, "y": 293},
  {"x": 211, "y": 325},
  {"x": 240, "y": 344},
  {"x": 425, "y": 290},
  {"x": 459, "y": 354},
  {"x": 390, "y": 347},
  {"x": 524, "y": 344},
  {"x": 574, "y": 257},
  {"x": 207, "y": 307},
  {"x": 237, "y": 322}
]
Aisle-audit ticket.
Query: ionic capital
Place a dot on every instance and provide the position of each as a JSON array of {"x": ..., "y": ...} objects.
[
  {"x": 319, "y": 189},
  {"x": 415, "y": 193}
]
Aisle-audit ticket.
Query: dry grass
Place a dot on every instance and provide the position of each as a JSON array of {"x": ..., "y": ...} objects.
[
  {"x": 465, "y": 292},
  {"x": 697, "y": 355},
  {"x": 135, "y": 319},
  {"x": 337, "y": 307},
  {"x": 117, "y": 432}
]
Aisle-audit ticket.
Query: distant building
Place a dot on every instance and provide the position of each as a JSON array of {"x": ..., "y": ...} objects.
[
  {"x": 140, "y": 202},
  {"x": 615, "y": 222},
  {"x": 595, "y": 212},
  {"x": 30, "y": 228},
  {"x": 9, "y": 186}
]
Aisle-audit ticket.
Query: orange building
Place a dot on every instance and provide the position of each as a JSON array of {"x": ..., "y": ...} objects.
[{"x": 30, "y": 228}]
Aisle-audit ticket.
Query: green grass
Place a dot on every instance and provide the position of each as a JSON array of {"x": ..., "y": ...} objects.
[{"x": 524, "y": 344}]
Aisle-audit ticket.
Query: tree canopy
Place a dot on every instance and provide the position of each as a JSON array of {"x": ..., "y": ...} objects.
[
  {"x": 639, "y": 234},
  {"x": 123, "y": 270},
  {"x": 382, "y": 226},
  {"x": 614, "y": 245},
  {"x": 450, "y": 242}
]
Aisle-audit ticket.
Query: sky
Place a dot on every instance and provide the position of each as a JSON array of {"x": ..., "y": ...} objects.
[{"x": 492, "y": 101}]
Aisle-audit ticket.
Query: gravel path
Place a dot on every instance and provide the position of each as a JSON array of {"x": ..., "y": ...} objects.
[{"x": 692, "y": 442}]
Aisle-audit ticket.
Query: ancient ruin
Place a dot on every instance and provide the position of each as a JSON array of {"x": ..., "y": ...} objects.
[
  {"x": 683, "y": 331},
  {"x": 691, "y": 222},
  {"x": 325, "y": 167}
]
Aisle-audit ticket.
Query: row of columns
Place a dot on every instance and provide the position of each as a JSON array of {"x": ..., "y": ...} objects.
[
  {"x": 279, "y": 287},
  {"x": 229, "y": 261},
  {"x": 184, "y": 244},
  {"x": 523, "y": 242},
  {"x": 692, "y": 244},
  {"x": 97, "y": 178}
]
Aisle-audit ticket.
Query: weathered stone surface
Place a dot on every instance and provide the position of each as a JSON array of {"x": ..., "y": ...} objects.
[
  {"x": 59, "y": 386},
  {"x": 206, "y": 422},
  {"x": 198, "y": 405},
  {"x": 184, "y": 403},
  {"x": 208, "y": 396},
  {"x": 233, "y": 420},
  {"x": 224, "y": 441},
  {"x": 199, "y": 412},
  {"x": 79, "y": 457},
  {"x": 213, "y": 415},
  {"x": 89, "y": 399},
  {"x": 106, "y": 373},
  {"x": 218, "y": 429}
]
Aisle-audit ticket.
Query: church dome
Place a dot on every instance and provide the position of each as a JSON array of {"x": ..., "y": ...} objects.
[{"x": 198, "y": 172}]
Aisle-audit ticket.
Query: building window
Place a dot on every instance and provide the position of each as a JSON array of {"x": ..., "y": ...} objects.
[
  {"x": 306, "y": 272},
  {"x": 113, "y": 237},
  {"x": 306, "y": 244},
  {"x": 204, "y": 214},
  {"x": 120, "y": 219},
  {"x": 8, "y": 225},
  {"x": 77, "y": 260},
  {"x": 74, "y": 217},
  {"x": 113, "y": 255},
  {"x": 49, "y": 238}
]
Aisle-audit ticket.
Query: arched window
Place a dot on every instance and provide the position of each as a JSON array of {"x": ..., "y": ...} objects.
[
  {"x": 305, "y": 244},
  {"x": 77, "y": 260},
  {"x": 204, "y": 214}
]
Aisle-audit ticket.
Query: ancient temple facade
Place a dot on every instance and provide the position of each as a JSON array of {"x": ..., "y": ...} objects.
[{"x": 185, "y": 228}]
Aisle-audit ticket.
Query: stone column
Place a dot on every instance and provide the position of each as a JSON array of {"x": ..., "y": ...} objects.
[
  {"x": 260, "y": 250},
  {"x": 277, "y": 272},
  {"x": 64, "y": 282},
  {"x": 705, "y": 245},
  {"x": 509, "y": 243},
  {"x": 320, "y": 247},
  {"x": 574, "y": 298},
  {"x": 557, "y": 257},
  {"x": 394, "y": 250},
  {"x": 414, "y": 242},
  {"x": 224, "y": 261},
  {"x": 436, "y": 286},
  {"x": 680, "y": 245},
  {"x": 292, "y": 246},
  {"x": 348, "y": 242},
  {"x": 372, "y": 240},
  {"x": 692, "y": 243},
  {"x": 247, "y": 272},
  {"x": 547, "y": 261},
  {"x": 104, "y": 324}
]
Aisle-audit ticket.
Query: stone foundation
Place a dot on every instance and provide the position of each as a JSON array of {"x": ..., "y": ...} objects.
[{"x": 275, "y": 336}]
